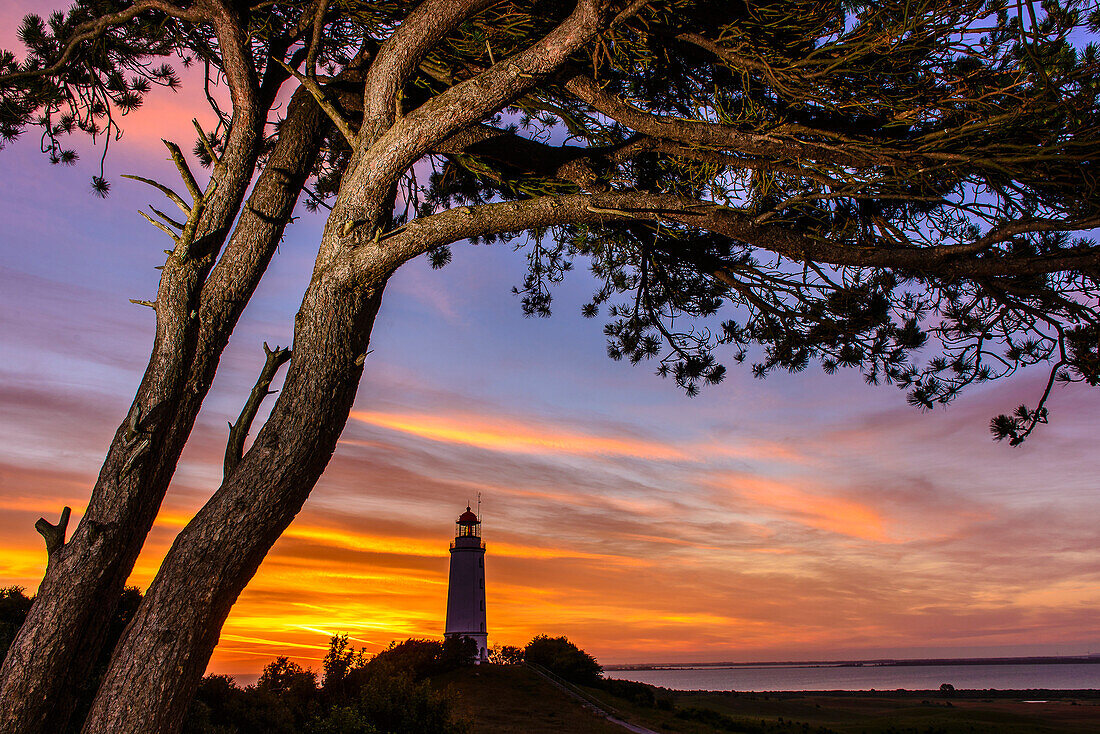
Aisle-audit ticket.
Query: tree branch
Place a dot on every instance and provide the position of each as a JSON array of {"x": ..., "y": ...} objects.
[
  {"x": 569, "y": 163},
  {"x": 436, "y": 230},
  {"x": 231, "y": 29},
  {"x": 574, "y": 163},
  {"x": 54, "y": 535},
  {"x": 238, "y": 431},
  {"x": 93, "y": 28},
  {"x": 402, "y": 52},
  {"x": 315, "y": 37},
  {"x": 948, "y": 261},
  {"x": 184, "y": 170},
  {"x": 1007, "y": 231},
  {"x": 345, "y": 128},
  {"x": 158, "y": 225},
  {"x": 714, "y": 135},
  {"x": 473, "y": 99},
  {"x": 206, "y": 144},
  {"x": 176, "y": 198}
]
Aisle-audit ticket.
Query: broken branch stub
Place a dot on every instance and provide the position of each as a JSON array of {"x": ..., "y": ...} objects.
[
  {"x": 238, "y": 432},
  {"x": 54, "y": 535}
]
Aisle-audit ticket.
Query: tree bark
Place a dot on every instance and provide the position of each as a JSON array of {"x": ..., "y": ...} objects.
[
  {"x": 61, "y": 637},
  {"x": 161, "y": 658}
]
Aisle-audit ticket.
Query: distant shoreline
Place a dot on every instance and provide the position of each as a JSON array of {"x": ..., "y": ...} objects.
[
  {"x": 1029, "y": 695},
  {"x": 886, "y": 662}
]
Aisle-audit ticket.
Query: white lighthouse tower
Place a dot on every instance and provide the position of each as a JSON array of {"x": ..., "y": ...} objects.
[{"x": 466, "y": 584}]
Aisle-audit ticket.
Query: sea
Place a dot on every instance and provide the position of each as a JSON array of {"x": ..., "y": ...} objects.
[{"x": 867, "y": 676}]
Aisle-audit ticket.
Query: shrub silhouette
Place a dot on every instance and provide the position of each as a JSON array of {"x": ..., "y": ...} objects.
[
  {"x": 385, "y": 694},
  {"x": 562, "y": 657}
]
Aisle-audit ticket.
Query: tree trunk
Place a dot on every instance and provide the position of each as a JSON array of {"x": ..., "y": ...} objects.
[
  {"x": 61, "y": 637},
  {"x": 161, "y": 658}
]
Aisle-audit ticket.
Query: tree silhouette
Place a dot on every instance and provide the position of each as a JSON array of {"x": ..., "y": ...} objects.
[
  {"x": 386, "y": 693},
  {"x": 560, "y": 656},
  {"x": 891, "y": 187}
]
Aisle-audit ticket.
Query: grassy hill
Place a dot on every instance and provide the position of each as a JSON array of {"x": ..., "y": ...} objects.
[
  {"x": 511, "y": 699},
  {"x": 514, "y": 700}
]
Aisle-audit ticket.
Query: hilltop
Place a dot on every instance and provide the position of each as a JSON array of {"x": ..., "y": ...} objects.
[{"x": 512, "y": 699}]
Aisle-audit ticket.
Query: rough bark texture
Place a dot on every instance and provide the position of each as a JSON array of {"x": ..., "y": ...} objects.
[
  {"x": 62, "y": 634},
  {"x": 167, "y": 646}
]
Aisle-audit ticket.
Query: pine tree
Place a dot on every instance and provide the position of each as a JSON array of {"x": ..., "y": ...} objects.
[{"x": 905, "y": 189}]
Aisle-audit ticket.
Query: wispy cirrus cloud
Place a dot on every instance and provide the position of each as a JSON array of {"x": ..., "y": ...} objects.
[
  {"x": 532, "y": 436},
  {"x": 808, "y": 506},
  {"x": 502, "y": 434},
  {"x": 782, "y": 559}
]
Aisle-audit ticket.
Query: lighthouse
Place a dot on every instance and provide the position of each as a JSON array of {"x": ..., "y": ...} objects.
[{"x": 466, "y": 584}]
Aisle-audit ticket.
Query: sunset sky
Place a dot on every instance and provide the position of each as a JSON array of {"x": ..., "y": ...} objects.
[{"x": 801, "y": 517}]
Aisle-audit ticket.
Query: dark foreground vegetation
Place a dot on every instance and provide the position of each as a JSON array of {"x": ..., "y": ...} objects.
[
  {"x": 431, "y": 687},
  {"x": 893, "y": 712},
  {"x": 408, "y": 688},
  {"x": 389, "y": 692}
]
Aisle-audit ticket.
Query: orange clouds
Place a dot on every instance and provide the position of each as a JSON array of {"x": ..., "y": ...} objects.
[
  {"x": 540, "y": 438},
  {"x": 639, "y": 547},
  {"x": 814, "y": 509},
  {"x": 502, "y": 434}
]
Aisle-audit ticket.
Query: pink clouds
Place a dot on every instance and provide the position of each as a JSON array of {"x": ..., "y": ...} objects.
[
  {"x": 812, "y": 508},
  {"x": 501, "y": 434}
]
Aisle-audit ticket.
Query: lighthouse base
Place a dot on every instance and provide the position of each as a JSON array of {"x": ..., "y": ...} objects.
[{"x": 482, "y": 640}]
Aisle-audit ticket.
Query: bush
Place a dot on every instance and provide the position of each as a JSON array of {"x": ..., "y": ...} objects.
[
  {"x": 14, "y": 605},
  {"x": 339, "y": 662},
  {"x": 506, "y": 655},
  {"x": 424, "y": 658},
  {"x": 638, "y": 693},
  {"x": 295, "y": 687},
  {"x": 221, "y": 707},
  {"x": 386, "y": 694},
  {"x": 562, "y": 657},
  {"x": 458, "y": 652},
  {"x": 341, "y": 720},
  {"x": 397, "y": 704},
  {"x": 286, "y": 678}
]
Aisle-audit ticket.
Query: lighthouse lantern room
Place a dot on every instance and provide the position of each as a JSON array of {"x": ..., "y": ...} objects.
[{"x": 466, "y": 584}]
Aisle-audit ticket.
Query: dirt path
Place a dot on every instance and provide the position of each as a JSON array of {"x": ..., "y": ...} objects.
[{"x": 586, "y": 700}]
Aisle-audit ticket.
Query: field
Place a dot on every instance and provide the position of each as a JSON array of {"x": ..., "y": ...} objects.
[{"x": 513, "y": 700}]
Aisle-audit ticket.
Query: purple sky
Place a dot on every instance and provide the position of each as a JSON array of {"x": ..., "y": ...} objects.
[{"x": 805, "y": 516}]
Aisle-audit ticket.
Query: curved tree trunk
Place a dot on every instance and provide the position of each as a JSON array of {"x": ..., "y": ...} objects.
[
  {"x": 161, "y": 658},
  {"x": 62, "y": 635},
  {"x": 162, "y": 655}
]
